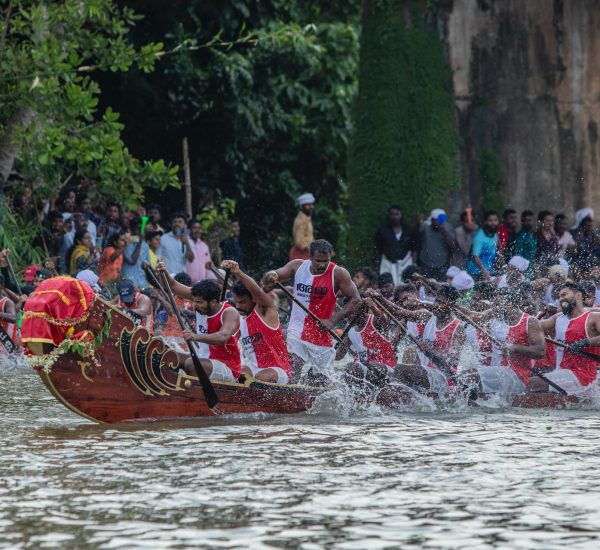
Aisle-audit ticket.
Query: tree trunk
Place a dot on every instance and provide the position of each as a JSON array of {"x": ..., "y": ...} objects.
[{"x": 20, "y": 119}]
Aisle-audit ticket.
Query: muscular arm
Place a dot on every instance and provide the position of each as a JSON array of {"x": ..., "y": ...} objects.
[
  {"x": 178, "y": 289},
  {"x": 594, "y": 329},
  {"x": 536, "y": 348},
  {"x": 345, "y": 284},
  {"x": 231, "y": 324},
  {"x": 282, "y": 274},
  {"x": 548, "y": 325},
  {"x": 144, "y": 307}
]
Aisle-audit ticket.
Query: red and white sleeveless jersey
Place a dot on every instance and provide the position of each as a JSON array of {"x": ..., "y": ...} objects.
[
  {"x": 229, "y": 354},
  {"x": 263, "y": 345},
  {"x": 570, "y": 331},
  {"x": 480, "y": 343},
  {"x": 9, "y": 328},
  {"x": 317, "y": 293},
  {"x": 512, "y": 334},
  {"x": 147, "y": 321},
  {"x": 439, "y": 338},
  {"x": 371, "y": 345}
]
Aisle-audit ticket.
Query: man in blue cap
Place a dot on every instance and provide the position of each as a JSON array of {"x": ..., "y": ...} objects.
[{"x": 136, "y": 304}]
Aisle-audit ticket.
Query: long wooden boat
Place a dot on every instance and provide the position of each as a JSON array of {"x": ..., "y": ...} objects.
[{"x": 135, "y": 376}]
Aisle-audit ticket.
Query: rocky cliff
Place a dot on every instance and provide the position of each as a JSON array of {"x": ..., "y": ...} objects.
[{"x": 526, "y": 79}]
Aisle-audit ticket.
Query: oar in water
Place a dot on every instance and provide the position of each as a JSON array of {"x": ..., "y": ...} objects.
[
  {"x": 379, "y": 375},
  {"x": 587, "y": 354},
  {"x": 464, "y": 317},
  {"x": 210, "y": 393}
]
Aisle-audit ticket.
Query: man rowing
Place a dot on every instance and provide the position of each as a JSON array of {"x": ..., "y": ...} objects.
[
  {"x": 517, "y": 340},
  {"x": 260, "y": 331},
  {"x": 135, "y": 303},
  {"x": 579, "y": 328},
  {"x": 217, "y": 326},
  {"x": 8, "y": 320},
  {"x": 316, "y": 282},
  {"x": 440, "y": 343}
]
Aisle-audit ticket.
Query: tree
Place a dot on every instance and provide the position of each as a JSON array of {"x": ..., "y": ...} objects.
[
  {"x": 50, "y": 126},
  {"x": 405, "y": 145},
  {"x": 265, "y": 120}
]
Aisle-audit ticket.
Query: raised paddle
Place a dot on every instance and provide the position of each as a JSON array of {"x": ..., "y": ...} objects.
[
  {"x": 225, "y": 285},
  {"x": 210, "y": 394}
]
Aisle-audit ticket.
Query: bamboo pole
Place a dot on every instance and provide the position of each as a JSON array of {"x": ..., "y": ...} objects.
[{"x": 187, "y": 178}]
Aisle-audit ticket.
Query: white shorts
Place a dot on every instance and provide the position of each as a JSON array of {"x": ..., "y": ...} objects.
[
  {"x": 221, "y": 372},
  {"x": 501, "y": 380},
  {"x": 282, "y": 376},
  {"x": 566, "y": 379},
  {"x": 438, "y": 383},
  {"x": 320, "y": 357}
]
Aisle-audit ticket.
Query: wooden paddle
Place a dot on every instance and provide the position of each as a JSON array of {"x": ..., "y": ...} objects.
[
  {"x": 225, "y": 285},
  {"x": 210, "y": 394},
  {"x": 12, "y": 274}
]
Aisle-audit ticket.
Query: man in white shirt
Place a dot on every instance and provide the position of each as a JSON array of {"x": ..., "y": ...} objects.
[{"x": 175, "y": 249}]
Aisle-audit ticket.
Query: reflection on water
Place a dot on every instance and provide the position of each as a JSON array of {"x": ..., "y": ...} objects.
[{"x": 466, "y": 478}]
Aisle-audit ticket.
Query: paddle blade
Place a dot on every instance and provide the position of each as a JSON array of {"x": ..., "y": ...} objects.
[{"x": 210, "y": 394}]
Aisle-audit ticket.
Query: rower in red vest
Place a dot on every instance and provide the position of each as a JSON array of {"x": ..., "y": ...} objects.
[
  {"x": 134, "y": 302},
  {"x": 521, "y": 341},
  {"x": 316, "y": 283},
  {"x": 580, "y": 328},
  {"x": 217, "y": 327},
  {"x": 266, "y": 355}
]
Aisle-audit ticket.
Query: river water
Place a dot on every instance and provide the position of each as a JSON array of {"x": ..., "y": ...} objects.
[{"x": 463, "y": 478}]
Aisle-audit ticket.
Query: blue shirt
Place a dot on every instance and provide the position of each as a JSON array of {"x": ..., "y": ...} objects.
[
  {"x": 485, "y": 248},
  {"x": 135, "y": 271}
]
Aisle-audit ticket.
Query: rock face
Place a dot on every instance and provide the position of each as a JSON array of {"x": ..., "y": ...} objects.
[{"x": 526, "y": 79}]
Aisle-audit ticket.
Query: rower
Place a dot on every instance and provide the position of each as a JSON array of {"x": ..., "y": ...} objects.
[
  {"x": 217, "y": 327},
  {"x": 580, "y": 328},
  {"x": 136, "y": 304},
  {"x": 443, "y": 338},
  {"x": 316, "y": 282},
  {"x": 511, "y": 365},
  {"x": 260, "y": 331}
]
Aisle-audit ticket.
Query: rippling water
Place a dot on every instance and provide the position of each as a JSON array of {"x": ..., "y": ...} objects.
[{"x": 469, "y": 478}]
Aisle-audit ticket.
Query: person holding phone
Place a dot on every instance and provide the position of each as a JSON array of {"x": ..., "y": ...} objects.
[
  {"x": 437, "y": 245},
  {"x": 175, "y": 249},
  {"x": 135, "y": 254}
]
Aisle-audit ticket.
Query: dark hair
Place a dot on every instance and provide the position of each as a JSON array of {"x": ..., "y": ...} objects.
[
  {"x": 571, "y": 285},
  {"x": 405, "y": 287},
  {"x": 192, "y": 222},
  {"x": 183, "y": 278},
  {"x": 394, "y": 207},
  {"x": 208, "y": 290},
  {"x": 54, "y": 215},
  {"x": 179, "y": 214},
  {"x": 489, "y": 213},
  {"x": 80, "y": 198},
  {"x": 385, "y": 279},
  {"x": 135, "y": 223},
  {"x": 542, "y": 214},
  {"x": 448, "y": 293},
  {"x": 526, "y": 213},
  {"x": 149, "y": 235},
  {"x": 110, "y": 204},
  {"x": 409, "y": 272},
  {"x": 587, "y": 288},
  {"x": 235, "y": 219},
  {"x": 508, "y": 212},
  {"x": 367, "y": 272},
  {"x": 240, "y": 290},
  {"x": 114, "y": 239},
  {"x": 559, "y": 218},
  {"x": 522, "y": 290},
  {"x": 153, "y": 206},
  {"x": 486, "y": 289},
  {"x": 463, "y": 215},
  {"x": 320, "y": 245}
]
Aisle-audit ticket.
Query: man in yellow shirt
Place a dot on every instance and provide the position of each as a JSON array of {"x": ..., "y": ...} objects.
[{"x": 303, "y": 228}]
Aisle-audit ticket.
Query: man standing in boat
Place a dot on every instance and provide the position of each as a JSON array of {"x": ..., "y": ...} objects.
[
  {"x": 217, "y": 327},
  {"x": 260, "y": 331},
  {"x": 316, "y": 282},
  {"x": 579, "y": 328}
]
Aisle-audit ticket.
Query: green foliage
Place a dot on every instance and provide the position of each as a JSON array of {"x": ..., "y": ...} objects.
[
  {"x": 265, "y": 120},
  {"x": 18, "y": 235},
  {"x": 48, "y": 54},
  {"x": 405, "y": 145},
  {"x": 491, "y": 175},
  {"x": 216, "y": 224}
]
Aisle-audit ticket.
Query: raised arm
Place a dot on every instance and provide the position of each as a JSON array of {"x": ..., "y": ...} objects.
[
  {"x": 178, "y": 289},
  {"x": 282, "y": 274},
  {"x": 261, "y": 297}
]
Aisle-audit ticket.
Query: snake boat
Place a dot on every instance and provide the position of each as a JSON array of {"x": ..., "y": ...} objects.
[{"x": 98, "y": 363}]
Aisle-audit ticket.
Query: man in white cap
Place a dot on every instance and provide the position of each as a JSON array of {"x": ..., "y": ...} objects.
[
  {"x": 303, "y": 227},
  {"x": 437, "y": 244},
  {"x": 515, "y": 272}
]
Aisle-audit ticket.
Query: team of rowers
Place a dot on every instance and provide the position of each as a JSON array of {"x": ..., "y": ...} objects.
[{"x": 440, "y": 337}]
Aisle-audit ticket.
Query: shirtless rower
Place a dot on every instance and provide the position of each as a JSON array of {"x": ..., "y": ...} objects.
[
  {"x": 316, "y": 282},
  {"x": 443, "y": 338},
  {"x": 260, "y": 331},
  {"x": 522, "y": 341},
  {"x": 580, "y": 328},
  {"x": 217, "y": 326}
]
